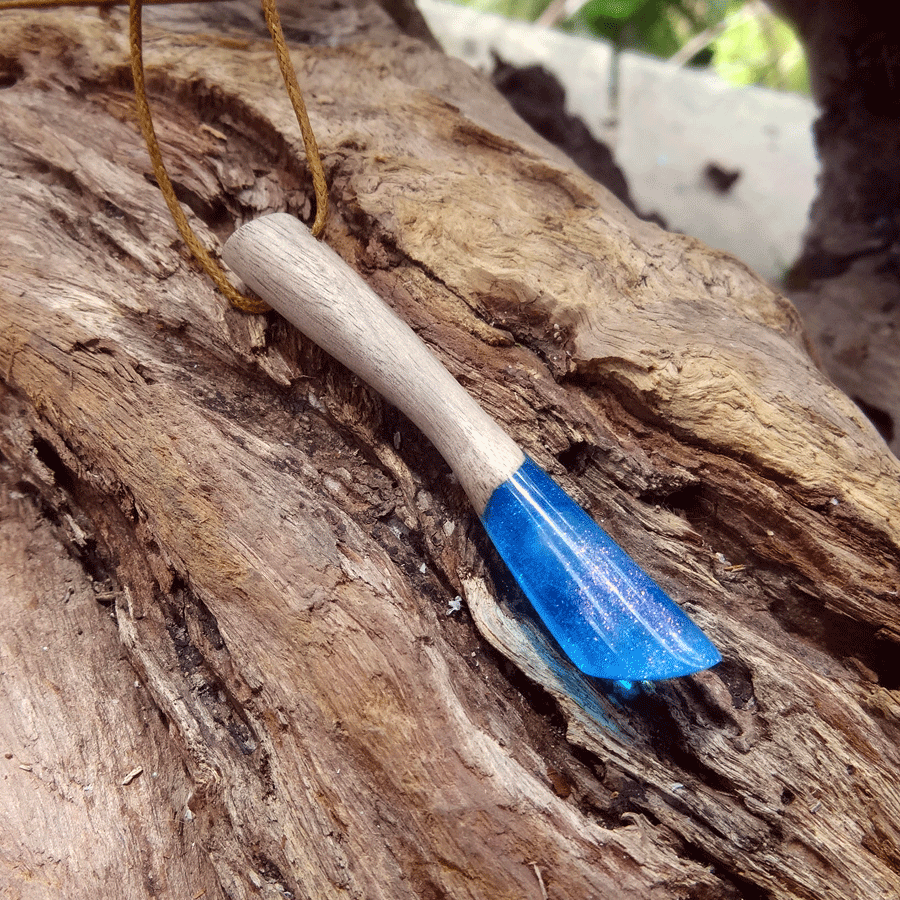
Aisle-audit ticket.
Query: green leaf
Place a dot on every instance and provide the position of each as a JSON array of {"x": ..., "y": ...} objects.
[{"x": 619, "y": 10}]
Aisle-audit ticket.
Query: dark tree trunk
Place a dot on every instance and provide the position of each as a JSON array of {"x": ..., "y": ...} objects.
[
  {"x": 847, "y": 281},
  {"x": 230, "y": 666}
]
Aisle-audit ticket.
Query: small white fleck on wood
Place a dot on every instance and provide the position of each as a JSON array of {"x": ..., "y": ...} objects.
[
  {"x": 213, "y": 131},
  {"x": 540, "y": 879},
  {"x": 132, "y": 775}
]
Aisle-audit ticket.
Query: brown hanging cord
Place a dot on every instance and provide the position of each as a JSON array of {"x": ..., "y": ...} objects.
[
  {"x": 210, "y": 266},
  {"x": 201, "y": 254},
  {"x": 101, "y": 4},
  {"x": 289, "y": 76}
]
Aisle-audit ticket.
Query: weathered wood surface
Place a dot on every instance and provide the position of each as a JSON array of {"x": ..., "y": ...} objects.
[{"x": 283, "y": 549}]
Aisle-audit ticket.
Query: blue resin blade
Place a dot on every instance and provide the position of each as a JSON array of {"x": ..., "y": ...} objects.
[{"x": 610, "y": 617}]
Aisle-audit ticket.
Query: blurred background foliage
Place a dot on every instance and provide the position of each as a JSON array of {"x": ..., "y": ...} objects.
[{"x": 743, "y": 41}]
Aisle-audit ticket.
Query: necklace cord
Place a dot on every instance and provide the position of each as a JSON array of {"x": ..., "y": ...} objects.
[
  {"x": 201, "y": 254},
  {"x": 212, "y": 268}
]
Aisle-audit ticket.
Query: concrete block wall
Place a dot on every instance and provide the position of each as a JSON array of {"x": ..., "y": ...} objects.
[{"x": 667, "y": 125}]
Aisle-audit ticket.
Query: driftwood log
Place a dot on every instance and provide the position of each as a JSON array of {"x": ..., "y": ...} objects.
[{"x": 231, "y": 665}]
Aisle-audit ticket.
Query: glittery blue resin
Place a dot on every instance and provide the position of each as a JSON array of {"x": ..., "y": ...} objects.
[{"x": 610, "y": 617}]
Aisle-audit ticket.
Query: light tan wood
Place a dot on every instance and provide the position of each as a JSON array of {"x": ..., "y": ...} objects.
[{"x": 317, "y": 292}]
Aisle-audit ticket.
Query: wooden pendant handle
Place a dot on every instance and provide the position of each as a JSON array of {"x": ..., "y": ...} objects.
[{"x": 316, "y": 291}]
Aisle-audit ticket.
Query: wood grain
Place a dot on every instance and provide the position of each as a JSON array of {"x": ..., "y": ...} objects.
[
  {"x": 284, "y": 551},
  {"x": 317, "y": 292}
]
